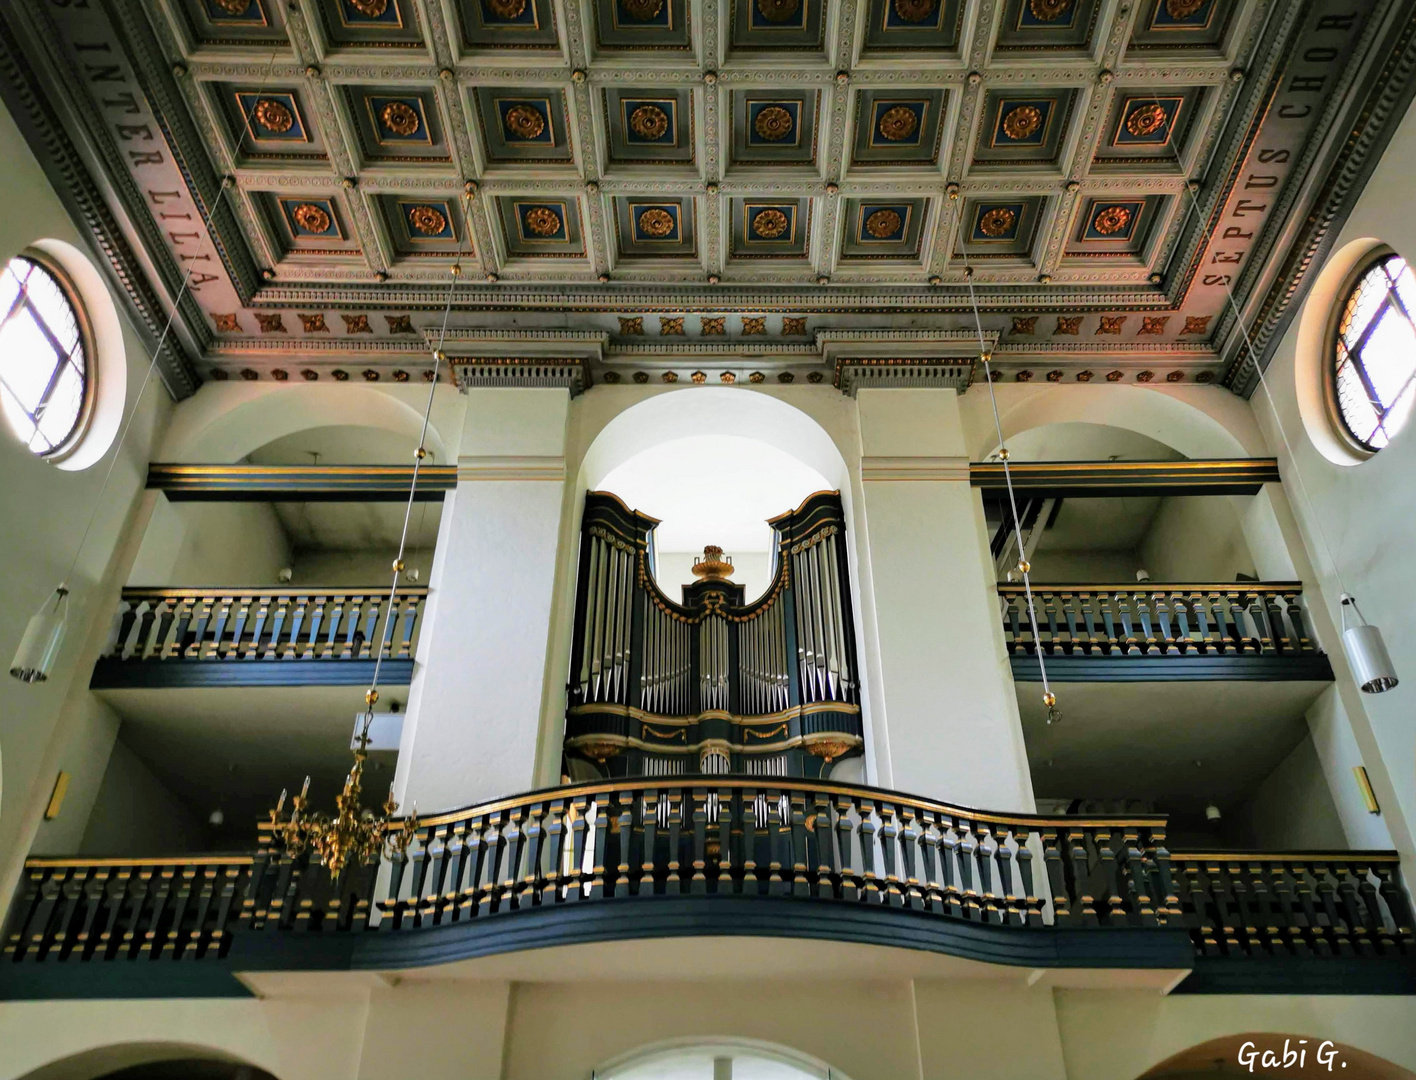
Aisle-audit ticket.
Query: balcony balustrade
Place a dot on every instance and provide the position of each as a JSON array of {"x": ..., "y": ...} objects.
[
  {"x": 1243, "y": 630},
  {"x": 724, "y": 856},
  {"x": 266, "y": 637}
]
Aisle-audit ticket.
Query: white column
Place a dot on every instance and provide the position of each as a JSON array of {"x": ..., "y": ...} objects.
[
  {"x": 951, "y": 726},
  {"x": 475, "y": 704}
]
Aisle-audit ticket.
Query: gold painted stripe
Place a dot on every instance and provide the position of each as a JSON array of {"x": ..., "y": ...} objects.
[
  {"x": 1265, "y": 587},
  {"x": 325, "y": 591},
  {"x": 1383, "y": 857},
  {"x": 636, "y": 713},
  {"x": 140, "y": 864}
]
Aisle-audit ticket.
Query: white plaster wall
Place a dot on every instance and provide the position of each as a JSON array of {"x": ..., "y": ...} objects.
[
  {"x": 134, "y": 812},
  {"x": 1197, "y": 538},
  {"x": 189, "y": 544},
  {"x": 366, "y": 1028},
  {"x": 1358, "y": 522},
  {"x": 43, "y": 511},
  {"x": 1292, "y": 810}
]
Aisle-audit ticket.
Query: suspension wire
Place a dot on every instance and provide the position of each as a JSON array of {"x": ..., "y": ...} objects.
[
  {"x": 227, "y": 183},
  {"x": 1192, "y": 189},
  {"x": 372, "y": 694},
  {"x": 985, "y": 354}
]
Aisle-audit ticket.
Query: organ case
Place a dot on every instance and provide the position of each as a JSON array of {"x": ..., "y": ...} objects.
[{"x": 712, "y": 684}]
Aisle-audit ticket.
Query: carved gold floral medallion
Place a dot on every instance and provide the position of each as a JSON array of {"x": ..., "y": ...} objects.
[
  {"x": 311, "y": 218},
  {"x": 778, "y": 10},
  {"x": 915, "y": 10},
  {"x": 428, "y": 220},
  {"x": 769, "y": 224},
  {"x": 507, "y": 9},
  {"x": 524, "y": 122},
  {"x": 642, "y": 10},
  {"x": 773, "y": 123},
  {"x": 656, "y": 222},
  {"x": 233, "y": 7},
  {"x": 898, "y": 123},
  {"x": 370, "y": 9},
  {"x": 1111, "y": 219},
  {"x": 1022, "y": 122},
  {"x": 1049, "y": 10},
  {"x": 883, "y": 223},
  {"x": 1182, "y": 9},
  {"x": 649, "y": 122},
  {"x": 401, "y": 118},
  {"x": 543, "y": 221},
  {"x": 1146, "y": 120},
  {"x": 997, "y": 222},
  {"x": 274, "y": 116}
]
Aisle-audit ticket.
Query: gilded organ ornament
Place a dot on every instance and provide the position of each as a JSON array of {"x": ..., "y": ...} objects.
[
  {"x": 274, "y": 116},
  {"x": 1049, "y": 10},
  {"x": 773, "y": 123},
  {"x": 769, "y": 224},
  {"x": 507, "y": 9},
  {"x": 883, "y": 223},
  {"x": 997, "y": 222},
  {"x": 401, "y": 118},
  {"x": 642, "y": 10},
  {"x": 524, "y": 122},
  {"x": 311, "y": 218},
  {"x": 1182, "y": 9},
  {"x": 778, "y": 10},
  {"x": 1146, "y": 120},
  {"x": 898, "y": 123},
  {"x": 428, "y": 220},
  {"x": 656, "y": 222},
  {"x": 915, "y": 10},
  {"x": 1022, "y": 122},
  {"x": 543, "y": 221},
  {"x": 1110, "y": 220},
  {"x": 649, "y": 122}
]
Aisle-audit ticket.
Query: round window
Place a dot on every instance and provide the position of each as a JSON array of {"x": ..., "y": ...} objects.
[{"x": 1373, "y": 366}]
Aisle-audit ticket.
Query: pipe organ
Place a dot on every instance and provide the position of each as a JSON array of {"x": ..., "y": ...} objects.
[{"x": 711, "y": 684}]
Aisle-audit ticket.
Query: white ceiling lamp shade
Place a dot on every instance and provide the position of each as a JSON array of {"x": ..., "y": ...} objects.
[
  {"x": 1366, "y": 652},
  {"x": 39, "y": 648}
]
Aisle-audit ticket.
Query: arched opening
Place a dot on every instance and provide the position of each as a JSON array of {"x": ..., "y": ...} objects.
[
  {"x": 1128, "y": 538},
  {"x": 148, "y": 1061},
  {"x": 1124, "y": 562},
  {"x": 1273, "y": 1054},
  {"x": 719, "y": 1059},
  {"x": 253, "y": 587},
  {"x": 713, "y": 489},
  {"x": 713, "y": 465}
]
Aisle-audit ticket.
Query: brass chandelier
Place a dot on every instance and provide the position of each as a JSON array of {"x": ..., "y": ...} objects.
[{"x": 355, "y": 835}]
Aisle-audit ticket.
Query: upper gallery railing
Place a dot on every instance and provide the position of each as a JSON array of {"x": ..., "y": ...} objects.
[
  {"x": 1240, "y": 619},
  {"x": 216, "y": 624},
  {"x": 836, "y": 853}
]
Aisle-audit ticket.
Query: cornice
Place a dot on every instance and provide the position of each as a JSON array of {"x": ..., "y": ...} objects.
[
  {"x": 30, "y": 103},
  {"x": 1389, "y": 95}
]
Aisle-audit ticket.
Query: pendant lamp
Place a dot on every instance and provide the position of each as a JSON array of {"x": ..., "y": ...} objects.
[
  {"x": 34, "y": 659},
  {"x": 1366, "y": 652}
]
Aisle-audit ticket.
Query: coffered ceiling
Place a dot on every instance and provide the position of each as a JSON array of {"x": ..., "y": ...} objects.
[{"x": 648, "y": 174}]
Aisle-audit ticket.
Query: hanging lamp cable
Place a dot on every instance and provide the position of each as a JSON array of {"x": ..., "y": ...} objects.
[
  {"x": 372, "y": 694},
  {"x": 1049, "y": 699}
]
